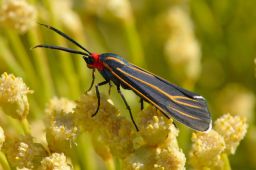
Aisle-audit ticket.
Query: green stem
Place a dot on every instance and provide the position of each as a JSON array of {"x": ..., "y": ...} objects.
[
  {"x": 80, "y": 65},
  {"x": 22, "y": 56},
  {"x": 85, "y": 152},
  {"x": 134, "y": 42},
  {"x": 75, "y": 164},
  {"x": 9, "y": 59},
  {"x": 110, "y": 165},
  {"x": 64, "y": 59},
  {"x": 184, "y": 137},
  {"x": 41, "y": 64},
  {"x": 225, "y": 159},
  {"x": 26, "y": 126},
  {"x": 3, "y": 161}
]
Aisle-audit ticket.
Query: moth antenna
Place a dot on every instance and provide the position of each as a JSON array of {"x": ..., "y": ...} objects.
[
  {"x": 61, "y": 49},
  {"x": 66, "y": 36}
]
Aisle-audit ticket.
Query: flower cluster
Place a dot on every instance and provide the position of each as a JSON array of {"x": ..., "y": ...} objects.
[
  {"x": 209, "y": 150},
  {"x": 17, "y": 14},
  {"x": 155, "y": 146},
  {"x": 13, "y": 96},
  {"x": 20, "y": 150},
  {"x": 182, "y": 48},
  {"x": 61, "y": 131},
  {"x": 120, "y": 9},
  {"x": 55, "y": 161}
]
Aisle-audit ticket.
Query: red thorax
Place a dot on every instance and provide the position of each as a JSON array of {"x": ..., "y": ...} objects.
[{"x": 96, "y": 62}]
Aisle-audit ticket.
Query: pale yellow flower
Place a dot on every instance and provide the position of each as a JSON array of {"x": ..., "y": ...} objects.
[
  {"x": 233, "y": 130},
  {"x": 62, "y": 130},
  {"x": 56, "y": 161},
  {"x": 170, "y": 158},
  {"x": 13, "y": 96},
  {"x": 116, "y": 131},
  {"x": 148, "y": 157},
  {"x": 155, "y": 128},
  {"x": 206, "y": 150},
  {"x": 141, "y": 159},
  {"x": 22, "y": 152},
  {"x": 67, "y": 16},
  {"x": 156, "y": 144},
  {"x": 120, "y": 9},
  {"x": 17, "y": 14},
  {"x": 182, "y": 49}
]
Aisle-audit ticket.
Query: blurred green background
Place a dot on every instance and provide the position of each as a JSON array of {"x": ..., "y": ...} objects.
[{"x": 207, "y": 46}]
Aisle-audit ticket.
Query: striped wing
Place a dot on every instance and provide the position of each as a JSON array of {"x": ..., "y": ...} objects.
[{"x": 185, "y": 106}]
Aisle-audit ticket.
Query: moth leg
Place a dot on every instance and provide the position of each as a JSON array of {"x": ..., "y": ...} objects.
[
  {"x": 127, "y": 106},
  {"x": 110, "y": 85},
  {"x": 93, "y": 79},
  {"x": 98, "y": 95},
  {"x": 175, "y": 125},
  {"x": 141, "y": 104}
]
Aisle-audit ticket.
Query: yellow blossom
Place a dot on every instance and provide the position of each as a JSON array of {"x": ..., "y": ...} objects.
[
  {"x": 22, "y": 152},
  {"x": 13, "y": 96},
  {"x": 56, "y": 161},
  {"x": 120, "y": 9},
  {"x": 170, "y": 158},
  {"x": 182, "y": 49},
  {"x": 141, "y": 159},
  {"x": 62, "y": 131},
  {"x": 67, "y": 15},
  {"x": 233, "y": 130},
  {"x": 156, "y": 144},
  {"x": 148, "y": 157},
  {"x": 17, "y": 14},
  {"x": 116, "y": 131},
  {"x": 155, "y": 128},
  {"x": 206, "y": 150}
]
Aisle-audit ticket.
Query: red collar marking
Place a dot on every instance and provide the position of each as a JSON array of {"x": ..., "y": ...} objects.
[{"x": 97, "y": 63}]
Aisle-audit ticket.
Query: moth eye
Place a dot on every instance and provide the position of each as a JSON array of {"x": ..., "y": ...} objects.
[{"x": 90, "y": 60}]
